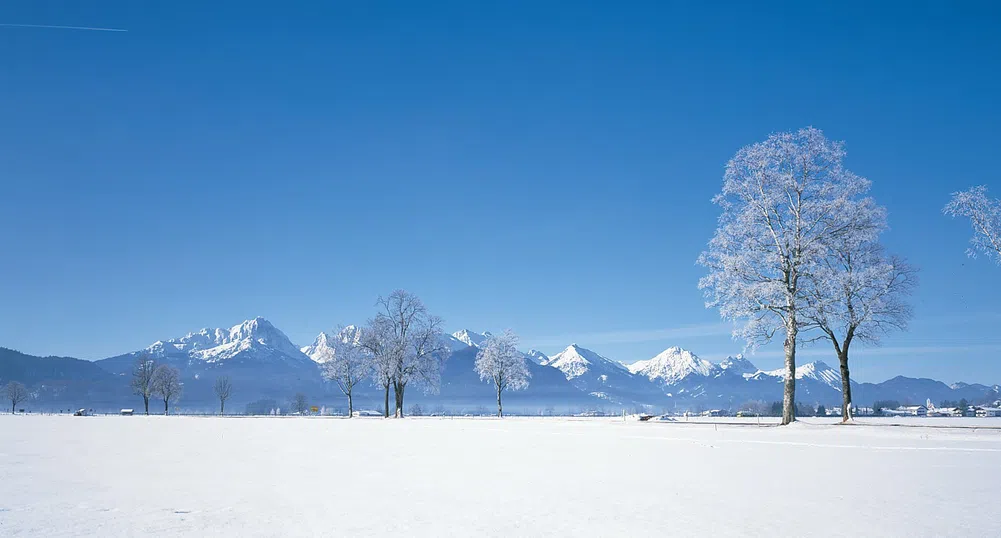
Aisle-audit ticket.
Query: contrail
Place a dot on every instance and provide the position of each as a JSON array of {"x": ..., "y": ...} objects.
[{"x": 62, "y": 27}]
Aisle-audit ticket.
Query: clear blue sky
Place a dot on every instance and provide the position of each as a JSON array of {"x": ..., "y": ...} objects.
[{"x": 541, "y": 166}]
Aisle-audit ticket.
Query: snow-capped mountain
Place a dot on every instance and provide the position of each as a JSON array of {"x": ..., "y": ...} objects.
[
  {"x": 536, "y": 356},
  {"x": 737, "y": 365},
  {"x": 257, "y": 357},
  {"x": 322, "y": 348},
  {"x": 575, "y": 361},
  {"x": 470, "y": 338},
  {"x": 817, "y": 371},
  {"x": 601, "y": 376},
  {"x": 673, "y": 365},
  {"x": 255, "y": 339}
]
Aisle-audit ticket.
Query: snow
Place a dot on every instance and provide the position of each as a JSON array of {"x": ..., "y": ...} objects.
[
  {"x": 255, "y": 337},
  {"x": 673, "y": 365},
  {"x": 737, "y": 365},
  {"x": 299, "y": 476},
  {"x": 536, "y": 356},
  {"x": 470, "y": 338},
  {"x": 575, "y": 361},
  {"x": 817, "y": 370}
]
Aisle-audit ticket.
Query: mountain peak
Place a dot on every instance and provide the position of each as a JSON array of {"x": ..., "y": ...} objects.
[
  {"x": 537, "y": 356},
  {"x": 575, "y": 361},
  {"x": 672, "y": 365},
  {"x": 737, "y": 365},
  {"x": 255, "y": 337},
  {"x": 471, "y": 338}
]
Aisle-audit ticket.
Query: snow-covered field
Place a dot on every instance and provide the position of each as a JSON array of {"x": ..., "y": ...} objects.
[{"x": 189, "y": 476}]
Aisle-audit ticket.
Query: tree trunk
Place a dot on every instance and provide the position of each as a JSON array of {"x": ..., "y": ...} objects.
[
  {"x": 146, "y": 404},
  {"x": 351, "y": 407},
  {"x": 399, "y": 388},
  {"x": 222, "y": 407},
  {"x": 385, "y": 408},
  {"x": 500, "y": 410},
  {"x": 13, "y": 408},
  {"x": 166, "y": 403},
  {"x": 789, "y": 394},
  {"x": 846, "y": 387}
]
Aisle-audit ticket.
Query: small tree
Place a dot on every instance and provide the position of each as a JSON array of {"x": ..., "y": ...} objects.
[
  {"x": 16, "y": 393},
  {"x": 821, "y": 411},
  {"x": 223, "y": 390},
  {"x": 500, "y": 362},
  {"x": 985, "y": 217},
  {"x": 167, "y": 384},
  {"x": 142, "y": 378},
  {"x": 349, "y": 362},
  {"x": 300, "y": 404}
]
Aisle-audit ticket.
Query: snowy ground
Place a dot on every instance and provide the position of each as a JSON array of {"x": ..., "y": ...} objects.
[{"x": 190, "y": 476}]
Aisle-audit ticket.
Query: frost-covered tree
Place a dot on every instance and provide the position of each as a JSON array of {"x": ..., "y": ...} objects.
[
  {"x": 349, "y": 363},
  {"x": 379, "y": 342},
  {"x": 223, "y": 390},
  {"x": 300, "y": 404},
  {"x": 167, "y": 385},
  {"x": 858, "y": 294},
  {"x": 985, "y": 217},
  {"x": 499, "y": 361},
  {"x": 16, "y": 393},
  {"x": 410, "y": 343},
  {"x": 783, "y": 200},
  {"x": 142, "y": 379}
]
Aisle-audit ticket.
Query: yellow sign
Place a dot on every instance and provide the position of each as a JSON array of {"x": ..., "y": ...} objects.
[{"x": 314, "y": 409}]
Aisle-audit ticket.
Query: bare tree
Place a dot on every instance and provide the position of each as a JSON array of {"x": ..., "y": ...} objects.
[
  {"x": 300, "y": 404},
  {"x": 167, "y": 385},
  {"x": 500, "y": 361},
  {"x": 349, "y": 363},
  {"x": 16, "y": 393},
  {"x": 142, "y": 378},
  {"x": 223, "y": 390},
  {"x": 411, "y": 344},
  {"x": 783, "y": 200},
  {"x": 858, "y": 294},
  {"x": 985, "y": 217}
]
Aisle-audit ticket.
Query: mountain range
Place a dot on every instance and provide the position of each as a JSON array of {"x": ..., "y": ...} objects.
[{"x": 263, "y": 364}]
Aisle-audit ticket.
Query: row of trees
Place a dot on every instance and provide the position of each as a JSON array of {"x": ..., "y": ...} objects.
[
  {"x": 798, "y": 250},
  {"x": 150, "y": 379},
  {"x": 404, "y": 345}
]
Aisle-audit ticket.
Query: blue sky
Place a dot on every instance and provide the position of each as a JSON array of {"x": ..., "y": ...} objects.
[{"x": 532, "y": 165}]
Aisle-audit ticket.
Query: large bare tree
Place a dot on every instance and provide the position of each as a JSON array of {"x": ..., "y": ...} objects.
[
  {"x": 985, "y": 218},
  {"x": 16, "y": 392},
  {"x": 167, "y": 385},
  {"x": 142, "y": 378},
  {"x": 782, "y": 202},
  {"x": 223, "y": 390},
  {"x": 349, "y": 364},
  {"x": 499, "y": 361},
  {"x": 412, "y": 343}
]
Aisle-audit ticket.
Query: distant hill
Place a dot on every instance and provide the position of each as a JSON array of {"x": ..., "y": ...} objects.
[{"x": 62, "y": 382}]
